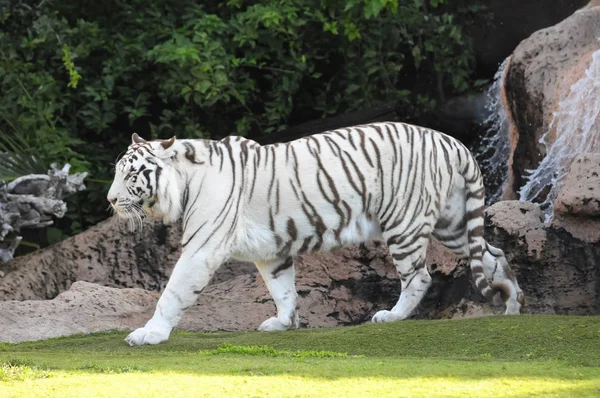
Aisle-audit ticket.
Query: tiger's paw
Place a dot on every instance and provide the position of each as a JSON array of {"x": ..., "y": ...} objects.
[
  {"x": 146, "y": 335},
  {"x": 513, "y": 307},
  {"x": 385, "y": 316},
  {"x": 273, "y": 324}
]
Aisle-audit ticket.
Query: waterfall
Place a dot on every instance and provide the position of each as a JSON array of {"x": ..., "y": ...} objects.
[
  {"x": 493, "y": 150},
  {"x": 577, "y": 127}
]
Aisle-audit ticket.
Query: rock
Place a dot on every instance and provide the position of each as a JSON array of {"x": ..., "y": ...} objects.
[
  {"x": 558, "y": 272},
  {"x": 345, "y": 287},
  {"x": 541, "y": 72},
  {"x": 85, "y": 308},
  {"x": 577, "y": 205},
  {"x": 231, "y": 269},
  {"x": 521, "y": 220},
  {"x": 579, "y": 194},
  {"x": 107, "y": 254},
  {"x": 338, "y": 288},
  {"x": 586, "y": 230},
  {"x": 469, "y": 309}
]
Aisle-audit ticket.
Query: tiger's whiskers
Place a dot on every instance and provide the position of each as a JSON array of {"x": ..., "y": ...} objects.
[{"x": 133, "y": 213}]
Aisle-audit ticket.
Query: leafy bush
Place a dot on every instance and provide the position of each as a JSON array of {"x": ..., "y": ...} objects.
[{"x": 78, "y": 77}]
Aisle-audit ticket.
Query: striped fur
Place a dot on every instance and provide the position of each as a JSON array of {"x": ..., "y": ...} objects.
[{"x": 236, "y": 199}]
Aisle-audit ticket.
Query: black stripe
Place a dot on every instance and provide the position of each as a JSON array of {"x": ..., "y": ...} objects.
[{"x": 288, "y": 263}]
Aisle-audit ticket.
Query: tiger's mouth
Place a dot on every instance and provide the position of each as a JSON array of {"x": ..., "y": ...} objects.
[
  {"x": 133, "y": 213},
  {"x": 128, "y": 208},
  {"x": 138, "y": 209}
]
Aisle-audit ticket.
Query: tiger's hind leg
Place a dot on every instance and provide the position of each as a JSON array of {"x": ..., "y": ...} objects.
[
  {"x": 414, "y": 276},
  {"x": 279, "y": 276}
]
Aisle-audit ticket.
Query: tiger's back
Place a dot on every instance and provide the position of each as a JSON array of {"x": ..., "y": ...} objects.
[{"x": 347, "y": 186}]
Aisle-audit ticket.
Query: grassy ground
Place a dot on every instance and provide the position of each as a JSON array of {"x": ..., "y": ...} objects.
[{"x": 520, "y": 356}]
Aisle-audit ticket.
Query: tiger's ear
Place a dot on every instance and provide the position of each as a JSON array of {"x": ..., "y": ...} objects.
[
  {"x": 166, "y": 144},
  {"x": 136, "y": 139}
]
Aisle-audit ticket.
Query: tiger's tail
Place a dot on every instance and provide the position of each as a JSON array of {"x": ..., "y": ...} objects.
[
  {"x": 474, "y": 221},
  {"x": 487, "y": 261}
]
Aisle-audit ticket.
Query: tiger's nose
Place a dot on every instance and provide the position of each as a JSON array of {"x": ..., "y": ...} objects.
[{"x": 112, "y": 201}]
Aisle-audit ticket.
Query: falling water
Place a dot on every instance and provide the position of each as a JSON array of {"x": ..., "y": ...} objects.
[
  {"x": 493, "y": 150},
  {"x": 577, "y": 126}
]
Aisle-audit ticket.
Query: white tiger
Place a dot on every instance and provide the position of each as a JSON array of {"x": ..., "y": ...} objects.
[{"x": 236, "y": 199}]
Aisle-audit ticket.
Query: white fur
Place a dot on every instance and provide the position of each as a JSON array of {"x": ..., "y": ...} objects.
[{"x": 265, "y": 205}]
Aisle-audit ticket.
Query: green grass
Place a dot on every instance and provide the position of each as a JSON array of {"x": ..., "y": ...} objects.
[{"x": 520, "y": 356}]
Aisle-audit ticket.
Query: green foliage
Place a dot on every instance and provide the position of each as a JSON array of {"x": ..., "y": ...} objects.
[
  {"x": 265, "y": 350},
  {"x": 79, "y": 77},
  {"x": 17, "y": 369},
  {"x": 94, "y": 368},
  {"x": 67, "y": 59},
  {"x": 18, "y": 158}
]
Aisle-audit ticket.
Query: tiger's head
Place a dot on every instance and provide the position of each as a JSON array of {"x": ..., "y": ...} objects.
[{"x": 140, "y": 184}]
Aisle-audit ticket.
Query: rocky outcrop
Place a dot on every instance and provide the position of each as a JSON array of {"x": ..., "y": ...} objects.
[
  {"x": 580, "y": 190},
  {"x": 577, "y": 206},
  {"x": 85, "y": 308},
  {"x": 107, "y": 254},
  {"x": 542, "y": 70},
  {"x": 558, "y": 272}
]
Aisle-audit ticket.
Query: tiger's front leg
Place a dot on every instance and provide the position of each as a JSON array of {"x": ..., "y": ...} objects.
[
  {"x": 279, "y": 276},
  {"x": 190, "y": 275}
]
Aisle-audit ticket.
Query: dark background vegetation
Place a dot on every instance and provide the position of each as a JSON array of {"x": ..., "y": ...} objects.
[{"x": 78, "y": 77}]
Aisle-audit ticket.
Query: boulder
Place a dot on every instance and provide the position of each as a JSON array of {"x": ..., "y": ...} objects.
[
  {"x": 107, "y": 254},
  {"x": 579, "y": 194},
  {"x": 84, "y": 308},
  {"x": 577, "y": 205},
  {"x": 558, "y": 272},
  {"x": 542, "y": 70}
]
